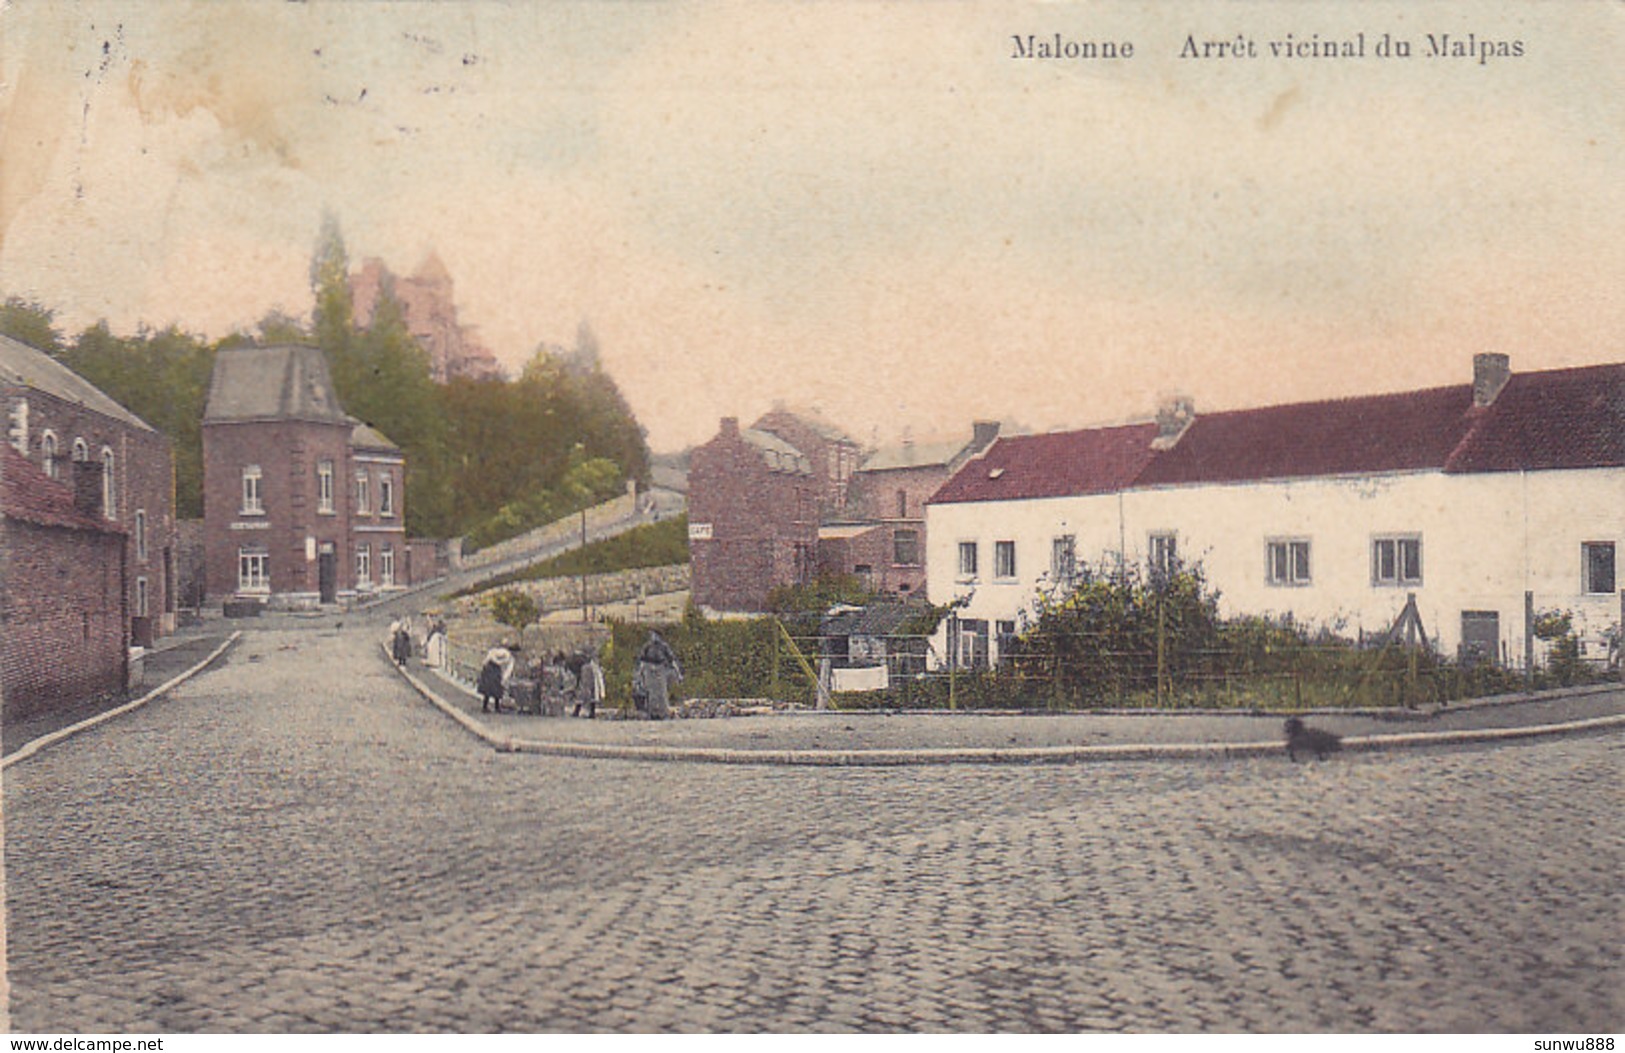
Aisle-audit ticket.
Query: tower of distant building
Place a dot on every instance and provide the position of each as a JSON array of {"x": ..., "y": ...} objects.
[{"x": 429, "y": 308}]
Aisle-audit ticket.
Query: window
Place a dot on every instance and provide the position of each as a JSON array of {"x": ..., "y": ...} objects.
[
  {"x": 363, "y": 565},
  {"x": 1396, "y": 560},
  {"x": 1597, "y": 562},
  {"x": 49, "y": 455},
  {"x": 141, "y": 534},
  {"x": 109, "y": 492},
  {"x": 1288, "y": 562},
  {"x": 1005, "y": 633},
  {"x": 253, "y": 570},
  {"x": 141, "y": 597},
  {"x": 324, "y": 487},
  {"x": 251, "y": 491},
  {"x": 386, "y": 494},
  {"x": 906, "y": 548},
  {"x": 81, "y": 450},
  {"x": 902, "y": 504},
  {"x": 1004, "y": 559},
  {"x": 1164, "y": 554},
  {"x": 363, "y": 492},
  {"x": 1063, "y": 560},
  {"x": 386, "y": 565},
  {"x": 967, "y": 559}
]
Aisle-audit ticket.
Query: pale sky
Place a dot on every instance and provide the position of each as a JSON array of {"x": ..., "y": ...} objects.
[{"x": 869, "y": 208}]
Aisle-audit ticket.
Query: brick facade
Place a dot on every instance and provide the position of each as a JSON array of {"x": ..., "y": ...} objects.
[
  {"x": 64, "y": 629},
  {"x": 301, "y": 504},
  {"x": 753, "y": 519},
  {"x": 47, "y": 408}
]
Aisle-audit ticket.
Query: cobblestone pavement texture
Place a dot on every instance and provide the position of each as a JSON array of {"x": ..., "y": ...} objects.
[{"x": 295, "y": 841}]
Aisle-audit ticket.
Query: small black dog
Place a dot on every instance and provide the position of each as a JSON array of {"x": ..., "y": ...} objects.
[{"x": 1309, "y": 740}]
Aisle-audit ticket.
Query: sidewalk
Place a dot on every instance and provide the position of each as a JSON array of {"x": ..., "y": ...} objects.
[{"x": 865, "y": 737}]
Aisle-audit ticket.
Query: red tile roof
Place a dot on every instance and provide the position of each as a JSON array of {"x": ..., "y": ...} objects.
[
  {"x": 1562, "y": 418},
  {"x": 28, "y": 494},
  {"x": 1061, "y": 464}
]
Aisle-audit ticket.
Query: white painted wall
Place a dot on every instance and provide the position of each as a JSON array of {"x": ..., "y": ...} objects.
[{"x": 1486, "y": 538}]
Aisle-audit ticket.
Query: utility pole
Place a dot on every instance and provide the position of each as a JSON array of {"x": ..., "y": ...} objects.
[{"x": 583, "y": 566}]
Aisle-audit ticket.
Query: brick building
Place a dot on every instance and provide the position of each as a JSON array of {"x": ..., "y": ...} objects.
[
  {"x": 883, "y": 540},
  {"x": 302, "y": 504},
  {"x": 64, "y": 624},
  {"x": 785, "y": 501},
  {"x": 56, "y": 419},
  {"x": 752, "y": 518}
]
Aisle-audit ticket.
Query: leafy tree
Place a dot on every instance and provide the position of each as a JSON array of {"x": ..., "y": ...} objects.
[
  {"x": 512, "y": 608},
  {"x": 30, "y": 323}
]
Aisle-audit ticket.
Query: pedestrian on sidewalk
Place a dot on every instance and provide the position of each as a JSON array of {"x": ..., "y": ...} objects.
[
  {"x": 657, "y": 672},
  {"x": 494, "y": 676},
  {"x": 589, "y": 684}
]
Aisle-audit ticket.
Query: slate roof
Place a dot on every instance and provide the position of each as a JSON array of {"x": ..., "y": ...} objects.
[
  {"x": 779, "y": 455},
  {"x": 30, "y": 367},
  {"x": 289, "y": 382},
  {"x": 913, "y": 455},
  {"x": 365, "y": 437},
  {"x": 1060, "y": 464},
  {"x": 877, "y": 619},
  {"x": 1561, "y": 418},
  {"x": 28, "y": 494}
]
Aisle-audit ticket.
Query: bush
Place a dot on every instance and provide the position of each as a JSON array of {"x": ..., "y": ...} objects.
[{"x": 512, "y": 608}]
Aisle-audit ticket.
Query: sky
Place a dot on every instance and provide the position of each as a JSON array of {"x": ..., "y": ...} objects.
[{"x": 875, "y": 210}]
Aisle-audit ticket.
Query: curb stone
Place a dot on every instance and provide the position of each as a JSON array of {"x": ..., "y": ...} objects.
[
  {"x": 28, "y": 749},
  {"x": 983, "y": 755}
]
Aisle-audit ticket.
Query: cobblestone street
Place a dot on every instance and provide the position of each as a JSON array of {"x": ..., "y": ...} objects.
[{"x": 296, "y": 841}]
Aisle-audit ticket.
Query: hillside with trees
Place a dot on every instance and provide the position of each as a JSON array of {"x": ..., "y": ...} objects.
[{"x": 487, "y": 459}]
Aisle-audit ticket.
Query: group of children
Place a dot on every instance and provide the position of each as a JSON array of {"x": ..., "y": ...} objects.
[{"x": 551, "y": 683}]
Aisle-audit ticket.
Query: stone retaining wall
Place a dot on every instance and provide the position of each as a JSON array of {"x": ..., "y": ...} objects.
[
  {"x": 611, "y": 511},
  {"x": 557, "y": 594}
]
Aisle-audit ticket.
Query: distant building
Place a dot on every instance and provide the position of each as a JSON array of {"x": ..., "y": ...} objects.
[
  {"x": 882, "y": 539},
  {"x": 56, "y": 420},
  {"x": 1334, "y": 513},
  {"x": 302, "y": 504},
  {"x": 791, "y": 498},
  {"x": 64, "y": 624},
  {"x": 429, "y": 308}
]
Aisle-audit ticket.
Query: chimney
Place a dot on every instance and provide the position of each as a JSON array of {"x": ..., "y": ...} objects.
[
  {"x": 1491, "y": 371},
  {"x": 1173, "y": 417},
  {"x": 983, "y": 432},
  {"x": 730, "y": 427},
  {"x": 87, "y": 487}
]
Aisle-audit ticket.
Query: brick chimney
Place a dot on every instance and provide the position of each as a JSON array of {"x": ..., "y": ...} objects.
[
  {"x": 1173, "y": 417},
  {"x": 983, "y": 432},
  {"x": 87, "y": 487},
  {"x": 730, "y": 427},
  {"x": 1491, "y": 371}
]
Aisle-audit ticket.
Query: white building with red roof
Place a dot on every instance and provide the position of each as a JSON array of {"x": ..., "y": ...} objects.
[{"x": 1333, "y": 513}]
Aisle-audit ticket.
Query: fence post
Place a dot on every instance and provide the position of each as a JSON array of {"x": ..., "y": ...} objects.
[
  {"x": 1162, "y": 654},
  {"x": 773, "y": 690},
  {"x": 1529, "y": 637}
]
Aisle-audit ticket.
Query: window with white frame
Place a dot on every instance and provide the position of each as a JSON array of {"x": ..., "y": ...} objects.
[
  {"x": 1063, "y": 559},
  {"x": 1004, "y": 559},
  {"x": 141, "y": 534},
  {"x": 1396, "y": 560},
  {"x": 363, "y": 565},
  {"x": 252, "y": 504},
  {"x": 363, "y": 492},
  {"x": 386, "y": 565},
  {"x": 253, "y": 569},
  {"x": 141, "y": 597},
  {"x": 386, "y": 494},
  {"x": 48, "y": 455},
  {"x": 324, "y": 486},
  {"x": 1287, "y": 561},
  {"x": 109, "y": 490},
  {"x": 906, "y": 548},
  {"x": 1597, "y": 567},
  {"x": 1163, "y": 552},
  {"x": 967, "y": 559},
  {"x": 81, "y": 450}
]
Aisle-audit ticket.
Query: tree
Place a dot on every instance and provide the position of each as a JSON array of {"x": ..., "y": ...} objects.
[
  {"x": 512, "y": 608},
  {"x": 31, "y": 324}
]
